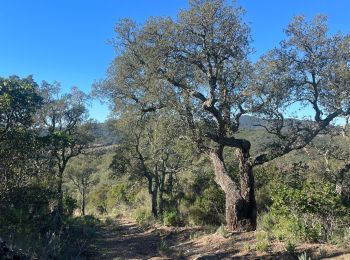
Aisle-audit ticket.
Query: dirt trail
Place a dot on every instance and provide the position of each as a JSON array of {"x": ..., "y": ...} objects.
[{"x": 124, "y": 239}]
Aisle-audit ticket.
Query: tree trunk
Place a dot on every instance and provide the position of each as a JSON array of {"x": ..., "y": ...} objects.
[
  {"x": 161, "y": 203},
  {"x": 249, "y": 210},
  {"x": 59, "y": 198},
  {"x": 83, "y": 202},
  {"x": 240, "y": 203},
  {"x": 154, "y": 202}
]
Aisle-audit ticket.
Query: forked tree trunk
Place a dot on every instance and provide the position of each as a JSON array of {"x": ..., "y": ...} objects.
[{"x": 240, "y": 202}]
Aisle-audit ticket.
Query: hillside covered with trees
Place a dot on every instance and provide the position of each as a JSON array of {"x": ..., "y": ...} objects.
[{"x": 205, "y": 148}]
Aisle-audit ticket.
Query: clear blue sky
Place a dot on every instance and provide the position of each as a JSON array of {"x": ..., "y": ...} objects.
[{"x": 65, "y": 40}]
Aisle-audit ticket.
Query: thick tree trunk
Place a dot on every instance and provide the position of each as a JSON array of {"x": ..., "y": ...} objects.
[
  {"x": 153, "y": 191},
  {"x": 155, "y": 202},
  {"x": 248, "y": 210},
  {"x": 240, "y": 202}
]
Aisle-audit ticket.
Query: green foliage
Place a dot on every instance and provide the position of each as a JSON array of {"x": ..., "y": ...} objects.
[
  {"x": 269, "y": 178},
  {"x": 246, "y": 247},
  {"x": 209, "y": 208},
  {"x": 309, "y": 212},
  {"x": 341, "y": 237},
  {"x": 314, "y": 198},
  {"x": 27, "y": 218},
  {"x": 144, "y": 217},
  {"x": 304, "y": 256},
  {"x": 31, "y": 226},
  {"x": 98, "y": 199},
  {"x": 19, "y": 99},
  {"x": 171, "y": 218},
  {"x": 290, "y": 248},
  {"x": 262, "y": 241},
  {"x": 119, "y": 193},
  {"x": 194, "y": 235},
  {"x": 70, "y": 204},
  {"x": 222, "y": 231},
  {"x": 109, "y": 221},
  {"x": 77, "y": 235}
]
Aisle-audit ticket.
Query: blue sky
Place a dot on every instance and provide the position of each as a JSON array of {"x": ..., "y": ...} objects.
[{"x": 65, "y": 40}]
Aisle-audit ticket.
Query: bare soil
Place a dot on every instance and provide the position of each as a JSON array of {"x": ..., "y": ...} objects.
[{"x": 124, "y": 239}]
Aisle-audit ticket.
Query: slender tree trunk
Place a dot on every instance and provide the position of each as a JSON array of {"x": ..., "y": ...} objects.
[
  {"x": 240, "y": 207},
  {"x": 170, "y": 185},
  {"x": 59, "y": 198},
  {"x": 161, "y": 203},
  {"x": 161, "y": 191},
  {"x": 83, "y": 202}
]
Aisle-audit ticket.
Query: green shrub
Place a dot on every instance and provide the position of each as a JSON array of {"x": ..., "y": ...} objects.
[
  {"x": 286, "y": 229},
  {"x": 109, "y": 221},
  {"x": 171, "y": 218},
  {"x": 262, "y": 241},
  {"x": 289, "y": 228},
  {"x": 246, "y": 247},
  {"x": 209, "y": 208},
  {"x": 262, "y": 245},
  {"x": 304, "y": 256},
  {"x": 76, "y": 236},
  {"x": 222, "y": 231},
  {"x": 143, "y": 217},
  {"x": 266, "y": 222},
  {"x": 31, "y": 227},
  {"x": 308, "y": 213},
  {"x": 25, "y": 218},
  {"x": 341, "y": 237},
  {"x": 69, "y": 204},
  {"x": 98, "y": 198},
  {"x": 119, "y": 193},
  {"x": 290, "y": 248},
  {"x": 194, "y": 235}
]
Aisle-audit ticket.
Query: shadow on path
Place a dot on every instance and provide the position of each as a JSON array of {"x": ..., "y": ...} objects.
[{"x": 126, "y": 240}]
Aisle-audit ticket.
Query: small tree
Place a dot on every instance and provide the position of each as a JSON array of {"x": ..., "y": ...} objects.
[
  {"x": 149, "y": 152},
  {"x": 80, "y": 174},
  {"x": 63, "y": 119}
]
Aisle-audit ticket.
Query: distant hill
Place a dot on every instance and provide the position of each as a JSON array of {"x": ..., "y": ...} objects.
[
  {"x": 251, "y": 122},
  {"x": 105, "y": 133}
]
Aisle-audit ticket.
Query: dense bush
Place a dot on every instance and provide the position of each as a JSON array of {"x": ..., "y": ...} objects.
[
  {"x": 143, "y": 216},
  {"x": 29, "y": 223},
  {"x": 119, "y": 193},
  {"x": 77, "y": 235},
  {"x": 98, "y": 200},
  {"x": 70, "y": 204},
  {"x": 171, "y": 218},
  {"x": 313, "y": 212},
  {"x": 209, "y": 208}
]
